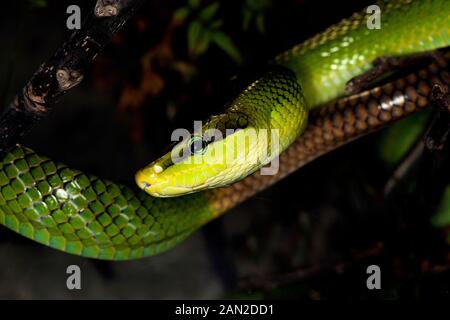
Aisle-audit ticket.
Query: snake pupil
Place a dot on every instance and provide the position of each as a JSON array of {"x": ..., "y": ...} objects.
[{"x": 197, "y": 145}]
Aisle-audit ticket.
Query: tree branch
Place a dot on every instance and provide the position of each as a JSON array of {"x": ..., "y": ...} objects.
[
  {"x": 272, "y": 282},
  {"x": 64, "y": 70}
]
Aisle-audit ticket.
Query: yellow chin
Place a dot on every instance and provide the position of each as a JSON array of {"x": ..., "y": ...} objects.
[
  {"x": 167, "y": 192},
  {"x": 156, "y": 186}
]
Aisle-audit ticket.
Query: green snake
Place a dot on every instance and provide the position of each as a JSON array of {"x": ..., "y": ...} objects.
[{"x": 82, "y": 214}]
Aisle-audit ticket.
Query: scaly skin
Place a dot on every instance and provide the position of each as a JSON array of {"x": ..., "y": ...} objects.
[
  {"x": 326, "y": 62},
  {"x": 321, "y": 66},
  {"x": 269, "y": 114},
  {"x": 85, "y": 215},
  {"x": 341, "y": 122},
  {"x": 82, "y": 214}
]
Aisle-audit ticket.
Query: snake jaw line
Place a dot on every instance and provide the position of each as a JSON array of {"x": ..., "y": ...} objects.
[
  {"x": 147, "y": 180},
  {"x": 143, "y": 179}
]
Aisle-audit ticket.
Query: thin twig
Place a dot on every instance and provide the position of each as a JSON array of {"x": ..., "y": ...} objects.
[{"x": 64, "y": 70}]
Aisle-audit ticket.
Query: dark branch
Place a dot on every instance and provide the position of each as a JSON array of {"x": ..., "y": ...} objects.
[
  {"x": 272, "y": 282},
  {"x": 438, "y": 132},
  {"x": 431, "y": 144},
  {"x": 64, "y": 70}
]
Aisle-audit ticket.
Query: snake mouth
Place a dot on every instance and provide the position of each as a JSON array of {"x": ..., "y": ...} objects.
[
  {"x": 144, "y": 185},
  {"x": 160, "y": 189},
  {"x": 142, "y": 181},
  {"x": 169, "y": 191}
]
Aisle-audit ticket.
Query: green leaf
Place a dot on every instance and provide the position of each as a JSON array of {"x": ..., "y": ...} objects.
[
  {"x": 203, "y": 43},
  {"x": 247, "y": 17},
  {"x": 209, "y": 12},
  {"x": 254, "y": 12},
  {"x": 38, "y": 3},
  {"x": 260, "y": 23},
  {"x": 195, "y": 28},
  {"x": 216, "y": 24},
  {"x": 198, "y": 39},
  {"x": 181, "y": 14},
  {"x": 226, "y": 44},
  {"x": 442, "y": 217},
  {"x": 194, "y": 4},
  {"x": 258, "y": 5},
  {"x": 399, "y": 138}
]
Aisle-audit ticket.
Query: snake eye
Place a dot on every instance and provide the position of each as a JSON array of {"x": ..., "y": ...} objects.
[{"x": 197, "y": 145}]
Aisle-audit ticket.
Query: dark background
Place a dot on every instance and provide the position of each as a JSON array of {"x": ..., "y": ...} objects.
[{"x": 311, "y": 236}]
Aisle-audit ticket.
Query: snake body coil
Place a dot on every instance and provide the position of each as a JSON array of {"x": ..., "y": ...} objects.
[{"x": 82, "y": 214}]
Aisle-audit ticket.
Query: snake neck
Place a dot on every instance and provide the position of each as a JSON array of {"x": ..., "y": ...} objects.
[
  {"x": 274, "y": 102},
  {"x": 324, "y": 63}
]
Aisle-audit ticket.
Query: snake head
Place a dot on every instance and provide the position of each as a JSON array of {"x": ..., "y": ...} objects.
[
  {"x": 201, "y": 160},
  {"x": 260, "y": 123}
]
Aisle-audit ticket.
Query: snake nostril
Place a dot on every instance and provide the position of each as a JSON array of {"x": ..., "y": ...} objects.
[
  {"x": 144, "y": 185},
  {"x": 157, "y": 168}
]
